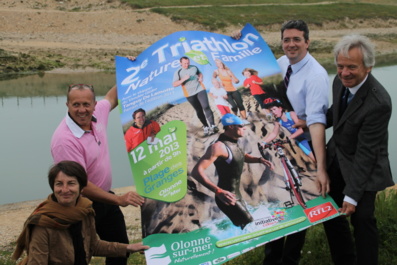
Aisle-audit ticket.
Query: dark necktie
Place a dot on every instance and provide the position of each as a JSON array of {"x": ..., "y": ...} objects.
[
  {"x": 344, "y": 102},
  {"x": 287, "y": 75}
]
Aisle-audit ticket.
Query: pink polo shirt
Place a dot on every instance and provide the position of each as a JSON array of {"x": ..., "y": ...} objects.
[{"x": 90, "y": 149}]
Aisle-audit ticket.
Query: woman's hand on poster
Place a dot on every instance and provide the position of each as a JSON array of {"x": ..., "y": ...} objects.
[
  {"x": 131, "y": 58},
  {"x": 136, "y": 247}
]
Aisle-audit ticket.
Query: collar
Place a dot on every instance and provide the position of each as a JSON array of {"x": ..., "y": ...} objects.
[
  {"x": 353, "y": 90},
  {"x": 74, "y": 127},
  {"x": 299, "y": 65}
]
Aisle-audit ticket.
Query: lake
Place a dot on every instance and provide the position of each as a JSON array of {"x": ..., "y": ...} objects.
[{"x": 31, "y": 107}]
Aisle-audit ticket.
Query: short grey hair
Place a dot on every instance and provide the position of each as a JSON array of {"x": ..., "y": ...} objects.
[{"x": 363, "y": 43}]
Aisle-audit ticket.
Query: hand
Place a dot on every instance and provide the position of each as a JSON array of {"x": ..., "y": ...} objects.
[
  {"x": 131, "y": 248},
  {"x": 322, "y": 183},
  {"x": 132, "y": 58},
  {"x": 236, "y": 34},
  {"x": 267, "y": 163},
  {"x": 226, "y": 197},
  {"x": 300, "y": 124},
  {"x": 347, "y": 209},
  {"x": 131, "y": 198}
]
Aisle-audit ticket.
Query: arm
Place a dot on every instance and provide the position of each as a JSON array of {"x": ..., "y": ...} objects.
[
  {"x": 252, "y": 159},
  {"x": 215, "y": 74},
  {"x": 273, "y": 134},
  {"x": 212, "y": 95},
  {"x": 256, "y": 80},
  {"x": 296, "y": 120},
  {"x": 155, "y": 128},
  {"x": 181, "y": 81},
  {"x": 128, "y": 140},
  {"x": 95, "y": 193},
  {"x": 234, "y": 78},
  {"x": 246, "y": 83},
  {"x": 368, "y": 164},
  {"x": 111, "y": 96},
  {"x": 316, "y": 108},
  {"x": 104, "y": 248},
  {"x": 70, "y": 151},
  {"x": 216, "y": 150},
  {"x": 200, "y": 77},
  {"x": 317, "y": 132},
  {"x": 39, "y": 246}
]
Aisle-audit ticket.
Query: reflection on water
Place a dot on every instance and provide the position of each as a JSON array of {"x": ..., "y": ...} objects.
[
  {"x": 54, "y": 84},
  {"x": 31, "y": 108}
]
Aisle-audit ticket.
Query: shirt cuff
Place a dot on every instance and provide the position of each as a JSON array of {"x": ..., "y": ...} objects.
[{"x": 350, "y": 200}]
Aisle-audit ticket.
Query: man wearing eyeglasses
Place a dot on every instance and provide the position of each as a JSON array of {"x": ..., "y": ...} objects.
[
  {"x": 81, "y": 136},
  {"x": 306, "y": 83},
  {"x": 228, "y": 158}
]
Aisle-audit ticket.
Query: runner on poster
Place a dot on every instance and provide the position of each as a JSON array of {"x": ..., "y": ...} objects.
[{"x": 218, "y": 182}]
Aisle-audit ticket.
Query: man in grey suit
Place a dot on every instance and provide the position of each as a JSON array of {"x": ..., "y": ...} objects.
[{"x": 357, "y": 155}]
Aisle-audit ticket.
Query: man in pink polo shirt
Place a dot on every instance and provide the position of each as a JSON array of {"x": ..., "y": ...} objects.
[{"x": 81, "y": 136}]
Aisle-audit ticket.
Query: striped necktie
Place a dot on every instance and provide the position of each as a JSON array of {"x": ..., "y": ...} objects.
[{"x": 287, "y": 75}]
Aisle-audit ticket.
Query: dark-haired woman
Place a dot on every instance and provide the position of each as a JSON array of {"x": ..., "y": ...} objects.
[{"x": 61, "y": 230}]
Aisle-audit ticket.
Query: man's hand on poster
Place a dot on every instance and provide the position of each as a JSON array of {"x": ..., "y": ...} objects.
[
  {"x": 347, "y": 209},
  {"x": 131, "y": 58},
  {"x": 130, "y": 198},
  {"x": 322, "y": 183},
  {"x": 225, "y": 196}
]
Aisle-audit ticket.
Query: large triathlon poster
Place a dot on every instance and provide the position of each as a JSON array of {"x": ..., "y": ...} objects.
[{"x": 172, "y": 100}]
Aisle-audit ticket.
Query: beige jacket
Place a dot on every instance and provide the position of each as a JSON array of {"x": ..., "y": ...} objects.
[{"x": 53, "y": 246}]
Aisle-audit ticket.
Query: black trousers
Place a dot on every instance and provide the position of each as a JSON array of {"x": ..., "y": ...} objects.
[
  {"x": 364, "y": 249},
  {"x": 201, "y": 105},
  {"x": 110, "y": 226},
  {"x": 285, "y": 250}
]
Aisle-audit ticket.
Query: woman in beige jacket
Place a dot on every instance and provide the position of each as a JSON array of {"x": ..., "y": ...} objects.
[{"x": 61, "y": 230}]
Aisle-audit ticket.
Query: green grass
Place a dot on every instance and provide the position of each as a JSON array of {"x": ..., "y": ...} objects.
[{"x": 262, "y": 16}]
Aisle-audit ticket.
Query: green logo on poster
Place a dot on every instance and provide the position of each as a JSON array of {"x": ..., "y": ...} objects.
[{"x": 159, "y": 167}]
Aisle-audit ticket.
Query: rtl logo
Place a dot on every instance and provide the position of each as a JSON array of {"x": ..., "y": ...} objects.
[{"x": 320, "y": 212}]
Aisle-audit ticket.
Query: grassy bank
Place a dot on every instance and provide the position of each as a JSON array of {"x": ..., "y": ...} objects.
[
  {"x": 265, "y": 15},
  {"x": 220, "y": 17},
  {"x": 315, "y": 251}
]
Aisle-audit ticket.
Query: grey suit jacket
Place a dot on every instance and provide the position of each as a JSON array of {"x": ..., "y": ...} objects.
[{"x": 360, "y": 138}]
